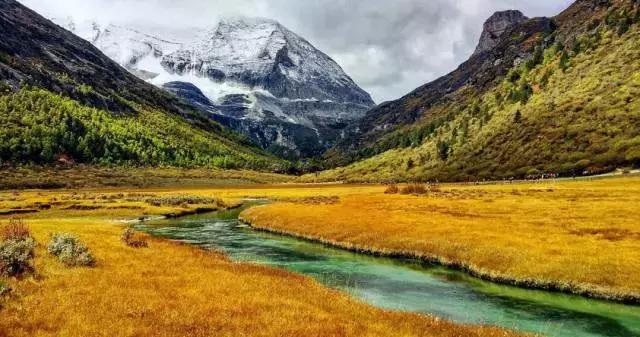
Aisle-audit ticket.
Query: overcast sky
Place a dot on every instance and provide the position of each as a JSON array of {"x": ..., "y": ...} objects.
[{"x": 389, "y": 47}]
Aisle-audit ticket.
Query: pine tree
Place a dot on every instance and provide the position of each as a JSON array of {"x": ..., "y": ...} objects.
[
  {"x": 564, "y": 61},
  {"x": 443, "y": 150},
  {"x": 517, "y": 118}
]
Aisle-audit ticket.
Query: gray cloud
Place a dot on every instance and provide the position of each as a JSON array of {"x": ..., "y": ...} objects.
[{"x": 388, "y": 47}]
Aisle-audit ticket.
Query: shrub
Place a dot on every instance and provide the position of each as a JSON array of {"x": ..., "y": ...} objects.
[
  {"x": 179, "y": 200},
  {"x": 16, "y": 230},
  {"x": 392, "y": 189},
  {"x": 129, "y": 238},
  {"x": 16, "y": 248},
  {"x": 70, "y": 250},
  {"x": 434, "y": 188},
  {"x": 416, "y": 189},
  {"x": 16, "y": 255}
]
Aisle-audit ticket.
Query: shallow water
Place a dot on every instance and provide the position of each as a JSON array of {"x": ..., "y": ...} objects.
[{"x": 406, "y": 284}]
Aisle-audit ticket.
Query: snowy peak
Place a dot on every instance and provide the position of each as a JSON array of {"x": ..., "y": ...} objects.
[
  {"x": 261, "y": 53},
  {"x": 256, "y": 76},
  {"x": 125, "y": 45}
]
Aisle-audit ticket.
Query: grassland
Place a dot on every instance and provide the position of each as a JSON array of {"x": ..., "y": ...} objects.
[
  {"x": 575, "y": 236},
  {"x": 86, "y": 176},
  {"x": 170, "y": 289}
]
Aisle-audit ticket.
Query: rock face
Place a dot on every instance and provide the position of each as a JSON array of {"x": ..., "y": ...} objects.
[
  {"x": 259, "y": 77},
  {"x": 495, "y": 26}
]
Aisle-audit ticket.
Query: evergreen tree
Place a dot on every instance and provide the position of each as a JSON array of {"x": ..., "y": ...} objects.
[
  {"x": 564, "y": 61},
  {"x": 443, "y": 150}
]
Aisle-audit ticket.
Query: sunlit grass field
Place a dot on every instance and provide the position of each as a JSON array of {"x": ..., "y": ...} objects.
[
  {"x": 85, "y": 176},
  {"x": 170, "y": 289},
  {"x": 575, "y": 236}
]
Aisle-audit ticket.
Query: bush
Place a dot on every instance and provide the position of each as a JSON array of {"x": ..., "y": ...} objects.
[
  {"x": 178, "y": 200},
  {"x": 416, "y": 189},
  {"x": 16, "y": 248},
  {"x": 420, "y": 189},
  {"x": 392, "y": 189},
  {"x": 434, "y": 188},
  {"x": 16, "y": 230},
  {"x": 15, "y": 256},
  {"x": 129, "y": 238},
  {"x": 70, "y": 250}
]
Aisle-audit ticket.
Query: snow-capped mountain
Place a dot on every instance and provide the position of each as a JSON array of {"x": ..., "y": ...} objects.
[{"x": 259, "y": 78}]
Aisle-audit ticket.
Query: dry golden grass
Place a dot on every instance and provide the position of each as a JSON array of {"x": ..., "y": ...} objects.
[
  {"x": 177, "y": 290},
  {"x": 83, "y": 176},
  {"x": 581, "y": 237}
]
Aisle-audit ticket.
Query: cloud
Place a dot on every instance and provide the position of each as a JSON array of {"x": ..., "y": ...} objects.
[{"x": 388, "y": 47}]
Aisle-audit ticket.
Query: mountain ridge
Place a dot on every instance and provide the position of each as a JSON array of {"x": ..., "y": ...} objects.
[
  {"x": 436, "y": 131},
  {"x": 296, "y": 98},
  {"x": 62, "y": 97}
]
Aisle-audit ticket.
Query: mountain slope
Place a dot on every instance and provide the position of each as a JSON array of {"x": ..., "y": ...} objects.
[
  {"x": 379, "y": 129},
  {"x": 261, "y": 78},
  {"x": 61, "y": 97},
  {"x": 565, "y": 104}
]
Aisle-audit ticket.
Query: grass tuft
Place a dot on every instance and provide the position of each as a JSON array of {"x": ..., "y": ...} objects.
[
  {"x": 392, "y": 189},
  {"x": 130, "y": 239},
  {"x": 16, "y": 230}
]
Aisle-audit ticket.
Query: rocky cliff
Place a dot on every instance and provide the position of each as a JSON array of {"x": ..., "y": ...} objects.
[{"x": 495, "y": 26}]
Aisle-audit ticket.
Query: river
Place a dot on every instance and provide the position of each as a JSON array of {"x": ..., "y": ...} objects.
[{"x": 406, "y": 285}]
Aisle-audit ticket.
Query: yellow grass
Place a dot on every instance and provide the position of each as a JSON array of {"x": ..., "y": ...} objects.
[
  {"x": 177, "y": 290},
  {"x": 581, "y": 237},
  {"x": 127, "y": 177}
]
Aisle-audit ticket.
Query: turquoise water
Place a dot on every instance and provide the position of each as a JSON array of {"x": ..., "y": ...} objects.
[{"x": 406, "y": 284}]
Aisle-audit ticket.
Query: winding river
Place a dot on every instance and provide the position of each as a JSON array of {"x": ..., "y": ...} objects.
[{"x": 406, "y": 284}]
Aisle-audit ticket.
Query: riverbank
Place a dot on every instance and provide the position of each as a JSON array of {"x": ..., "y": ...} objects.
[
  {"x": 171, "y": 289},
  {"x": 575, "y": 237}
]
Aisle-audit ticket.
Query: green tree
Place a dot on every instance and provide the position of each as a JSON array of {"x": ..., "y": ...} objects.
[
  {"x": 624, "y": 25},
  {"x": 517, "y": 118},
  {"x": 443, "y": 149},
  {"x": 564, "y": 61}
]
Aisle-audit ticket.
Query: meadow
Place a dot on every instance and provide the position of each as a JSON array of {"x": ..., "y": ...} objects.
[
  {"x": 580, "y": 236},
  {"x": 105, "y": 177},
  {"x": 170, "y": 289}
]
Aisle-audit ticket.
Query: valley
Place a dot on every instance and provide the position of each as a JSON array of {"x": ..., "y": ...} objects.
[
  {"x": 319, "y": 213},
  {"x": 209, "y": 169},
  {"x": 168, "y": 289}
]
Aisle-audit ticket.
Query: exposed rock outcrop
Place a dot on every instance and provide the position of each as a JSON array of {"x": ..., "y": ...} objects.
[{"x": 495, "y": 26}]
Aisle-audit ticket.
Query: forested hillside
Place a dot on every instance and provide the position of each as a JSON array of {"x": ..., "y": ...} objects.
[
  {"x": 41, "y": 127},
  {"x": 570, "y": 108},
  {"x": 61, "y": 99}
]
